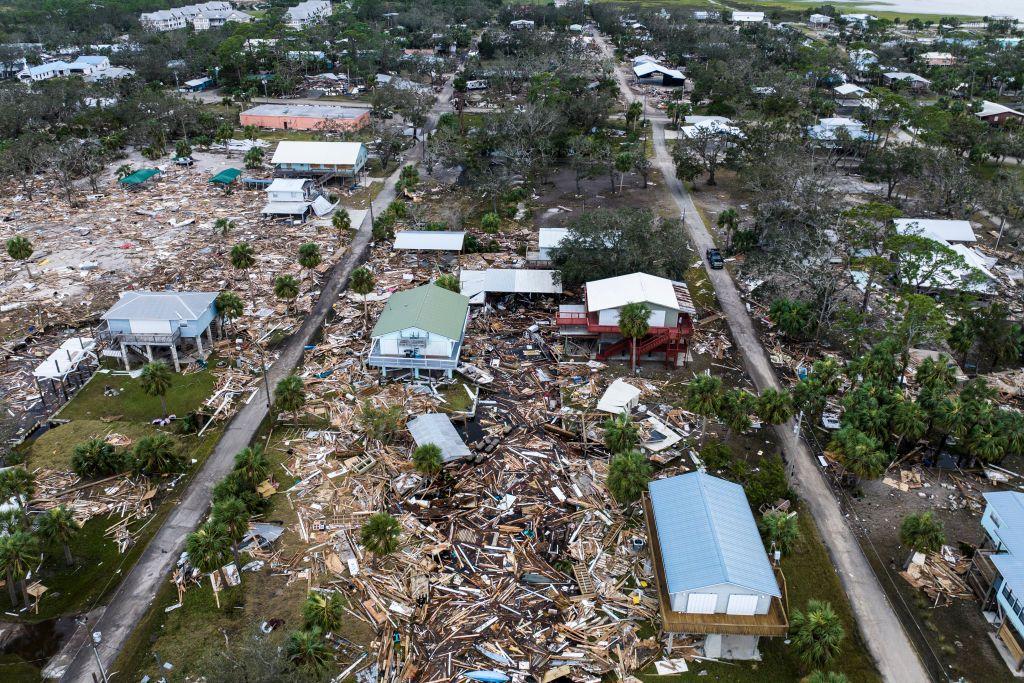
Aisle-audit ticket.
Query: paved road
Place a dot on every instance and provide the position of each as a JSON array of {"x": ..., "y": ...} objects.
[
  {"x": 133, "y": 598},
  {"x": 895, "y": 656}
]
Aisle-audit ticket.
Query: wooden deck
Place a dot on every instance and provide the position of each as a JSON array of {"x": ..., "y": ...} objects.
[{"x": 774, "y": 623}]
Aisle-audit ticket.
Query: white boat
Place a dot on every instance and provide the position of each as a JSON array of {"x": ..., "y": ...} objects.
[{"x": 474, "y": 374}]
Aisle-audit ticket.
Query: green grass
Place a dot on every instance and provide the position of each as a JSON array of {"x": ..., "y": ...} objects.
[
  {"x": 186, "y": 394},
  {"x": 457, "y": 398},
  {"x": 795, "y": 6},
  {"x": 809, "y": 574},
  {"x": 53, "y": 450},
  {"x": 15, "y": 670}
]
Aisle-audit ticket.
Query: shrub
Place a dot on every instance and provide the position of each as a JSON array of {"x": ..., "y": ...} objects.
[{"x": 490, "y": 222}]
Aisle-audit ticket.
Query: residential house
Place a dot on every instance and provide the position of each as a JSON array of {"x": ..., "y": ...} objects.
[
  {"x": 142, "y": 320},
  {"x": 420, "y": 329},
  {"x": 819, "y": 21},
  {"x": 477, "y": 284},
  {"x": 709, "y": 125},
  {"x": 863, "y": 59},
  {"x": 200, "y": 17},
  {"x": 294, "y": 197},
  {"x": 322, "y": 117},
  {"x": 646, "y": 71},
  {"x": 548, "y": 240},
  {"x": 706, "y": 15},
  {"x": 429, "y": 240},
  {"x": 747, "y": 17},
  {"x": 976, "y": 275},
  {"x": 913, "y": 81},
  {"x": 323, "y": 159},
  {"x": 713, "y": 576},
  {"x": 998, "y": 114},
  {"x": 831, "y": 131},
  {"x": 941, "y": 230},
  {"x": 308, "y": 12},
  {"x": 859, "y": 20},
  {"x": 597, "y": 318},
  {"x": 522, "y": 25},
  {"x": 938, "y": 58},
  {"x": 996, "y": 574}
]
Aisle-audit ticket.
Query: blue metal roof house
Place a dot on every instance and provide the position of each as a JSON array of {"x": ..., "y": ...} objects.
[
  {"x": 141, "y": 320},
  {"x": 713, "y": 573},
  {"x": 997, "y": 574}
]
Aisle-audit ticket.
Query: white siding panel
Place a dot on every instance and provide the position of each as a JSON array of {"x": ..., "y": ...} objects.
[
  {"x": 657, "y": 318},
  {"x": 151, "y": 326},
  {"x": 701, "y": 603},
  {"x": 743, "y": 605}
]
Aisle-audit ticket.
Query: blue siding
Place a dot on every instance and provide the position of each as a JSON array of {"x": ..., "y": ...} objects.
[{"x": 189, "y": 328}]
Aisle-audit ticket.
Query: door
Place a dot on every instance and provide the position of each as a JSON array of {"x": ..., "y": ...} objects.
[
  {"x": 742, "y": 605},
  {"x": 701, "y": 603}
]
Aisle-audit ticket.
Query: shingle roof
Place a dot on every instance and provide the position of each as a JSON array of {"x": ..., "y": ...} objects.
[
  {"x": 708, "y": 535},
  {"x": 429, "y": 308},
  {"x": 139, "y": 305}
]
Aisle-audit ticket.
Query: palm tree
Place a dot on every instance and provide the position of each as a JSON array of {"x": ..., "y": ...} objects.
[
  {"x": 209, "y": 549},
  {"x": 734, "y": 408},
  {"x": 728, "y": 220},
  {"x": 155, "y": 380},
  {"x": 222, "y": 226},
  {"x": 306, "y": 649},
  {"x": 58, "y": 524},
  {"x": 252, "y": 465},
  {"x": 289, "y": 394},
  {"x": 922, "y": 532},
  {"x": 95, "y": 458},
  {"x": 702, "y": 396},
  {"x": 961, "y": 338},
  {"x": 781, "y": 529},
  {"x": 951, "y": 416},
  {"x": 286, "y": 287},
  {"x": 934, "y": 374},
  {"x": 774, "y": 407},
  {"x": 633, "y": 113},
  {"x": 1011, "y": 426},
  {"x": 817, "y": 633},
  {"x": 341, "y": 221},
  {"x": 860, "y": 454},
  {"x": 254, "y": 157},
  {"x": 362, "y": 283},
  {"x": 156, "y": 454},
  {"x": 17, "y": 483},
  {"x": 633, "y": 324},
  {"x": 620, "y": 433},
  {"x": 182, "y": 149},
  {"x": 224, "y": 134},
  {"x": 243, "y": 258},
  {"x": 428, "y": 459},
  {"x": 234, "y": 515},
  {"x": 908, "y": 421},
  {"x": 449, "y": 282},
  {"x": 229, "y": 305},
  {"x": 826, "y": 677},
  {"x": 19, "y": 553},
  {"x": 623, "y": 162},
  {"x": 628, "y": 475},
  {"x": 324, "y": 611},
  {"x": 380, "y": 534},
  {"x": 20, "y": 249},
  {"x": 309, "y": 255}
]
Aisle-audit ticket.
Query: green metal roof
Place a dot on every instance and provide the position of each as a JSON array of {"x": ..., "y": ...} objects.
[
  {"x": 226, "y": 177},
  {"x": 140, "y": 176},
  {"x": 429, "y": 308}
]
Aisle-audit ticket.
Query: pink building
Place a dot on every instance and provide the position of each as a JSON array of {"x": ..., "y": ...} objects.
[{"x": 324, "y": 117}]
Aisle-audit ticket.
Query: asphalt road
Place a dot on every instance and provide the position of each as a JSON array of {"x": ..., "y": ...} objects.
[
  {"x": 134, "y": 597},
  {"x": 894, "y": 654}
]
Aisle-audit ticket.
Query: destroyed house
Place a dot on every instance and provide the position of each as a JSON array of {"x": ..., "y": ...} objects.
[
  {"x": 996, "y": 574},
  {"x": 142, "y": 320},
  {"x": 324, "y": 159},
  {"x": 420, "y": 329},
  {"x": 291, "y": 197},
  {"x": 597, "y": 318},
  {"x": 713, "y": 575}
]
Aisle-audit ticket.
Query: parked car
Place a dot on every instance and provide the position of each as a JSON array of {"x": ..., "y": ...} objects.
[
  {"x": 715, "y": 259},
  {"x": 184, "y": 161}
]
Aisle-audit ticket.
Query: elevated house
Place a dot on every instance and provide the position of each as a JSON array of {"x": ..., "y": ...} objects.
[
  {"x": 597, "y": 318},
  {"x": 819, "y": 21},
  {"x": 996, "y": 574},
  {"x": 938, "y": 58},
  {"x": 142, "y": 320},
  {"x": 323, "y": 160},
  {"x": 834, "y": 130},
  {"x": 307, "y": 13},
  {"x": 295, "y": 197},
  {"x": 322, "y": 117},
  {"x": 998, "y": 114},
  {"x": 713, "y": 574},
  {"x": 420, "y": 329}
]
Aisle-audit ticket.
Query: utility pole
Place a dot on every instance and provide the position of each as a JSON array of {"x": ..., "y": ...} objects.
[{"x": 97, "y": 638}]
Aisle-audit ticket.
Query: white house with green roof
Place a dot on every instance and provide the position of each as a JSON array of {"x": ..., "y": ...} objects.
[{"x": 420, "y": 329}]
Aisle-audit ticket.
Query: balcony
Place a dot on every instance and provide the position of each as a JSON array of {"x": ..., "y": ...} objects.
[
  {"x": 568, "y": 317},
  {"x": 139, "y": 338},
  {"x": 381, "y": 360},
  {"x": 774, "y": 623}
]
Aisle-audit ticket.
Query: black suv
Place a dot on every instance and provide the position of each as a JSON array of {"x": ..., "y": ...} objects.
[{"x": 715, "y": 259}]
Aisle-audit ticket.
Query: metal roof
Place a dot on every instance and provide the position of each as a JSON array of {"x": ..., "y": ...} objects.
[
  {"x": 549, "y": 238},
  {"x": 226, "y": 177},
  {"x": 437, "y": 428},
  {"x": 476, "y": 284},
  {"x": 645, "y": 69},
  {"x": 140, "y": 176},
  {"x": 430, "y": 240},
  {"x": 1011, "y": 568},
  {"x": 429, "y": 308},
  {"x": 141, "y": 305},
  {"x": 938, "y": 230},
  {"x": 303, "y": 152},
  {"x": 1009, "y": 508},
  {"x": 288, "y": 184},
  {"x": 286, "y": 208},
  {"x": 708, "y": 535},
  {"x": 315, "y": 111},
  {"x": 994, "y": 108},
  {"x": 615, "y": 292}
]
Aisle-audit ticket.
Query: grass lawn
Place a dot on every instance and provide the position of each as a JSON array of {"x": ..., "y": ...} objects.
[
  {"x": 53, "y": 449},
  {"x": 188, "y": 634},
  {"x": 809, "y": 574},
  {"x": 186, "y": 394}
]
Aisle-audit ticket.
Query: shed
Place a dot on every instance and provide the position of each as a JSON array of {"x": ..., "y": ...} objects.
[
  {"x": 619, "y": 397},
  {"x": 226, "y": 177},
  {"x": 437, "y": 428},
  {"x": 477, "y": 284},
  {"x": 139, "y": 177},
  {"x": 429, "y": 240},
  {"x": 940, "y": 230}
]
